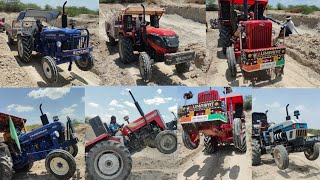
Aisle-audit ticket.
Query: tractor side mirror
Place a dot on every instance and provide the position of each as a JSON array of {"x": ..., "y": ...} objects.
[{"x": 296, "y": 113}]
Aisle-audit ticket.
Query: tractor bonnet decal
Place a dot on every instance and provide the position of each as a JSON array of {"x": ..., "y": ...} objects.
[{"x": 202, "y": 106}]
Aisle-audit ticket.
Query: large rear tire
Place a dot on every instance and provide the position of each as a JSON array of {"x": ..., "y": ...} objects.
[
  {"x": 60, "y": 164},
  {"x": 85, "y": 63},
  {"x": 210, "y": 144},
  {"x": 312, "y": 154},
  {"x": 112, "y": 152},
  {"x": 256, "y": 152},
  {"x": 239, "y": 135},
  {"x": 50, "y": 69},
  {"x": 281, "y": 157},
  {"x": 145, "y": 66},
  {"x": 125, "y": 50},
  {"x": 25, "y": 48},
  {"x": 188, "y": 143},
  {"x": 225, "y": 36},
  {"x": 6, "y": 171},
  {"x": 167, "y": 142}
]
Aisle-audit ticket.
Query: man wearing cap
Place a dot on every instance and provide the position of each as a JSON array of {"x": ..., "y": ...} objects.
[{"x": 289, "y": 25}]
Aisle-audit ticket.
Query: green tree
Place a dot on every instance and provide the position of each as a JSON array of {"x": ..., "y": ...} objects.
[{"x": 280, "y": 6}]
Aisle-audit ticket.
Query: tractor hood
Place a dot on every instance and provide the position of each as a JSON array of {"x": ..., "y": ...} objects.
[
  {"x": 65, "y": 31},
  {"x": 160, "y": 32}
]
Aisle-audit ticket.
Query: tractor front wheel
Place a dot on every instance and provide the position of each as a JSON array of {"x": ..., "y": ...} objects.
[
  {"x": 6, "y": 164},
  {"x": 183, "y": 67},
  {"x": 60, "y": 164},
  {"x": 109, "y": 160},
  {"x": 281, "y": 157},
  {"x": 256, "y": 152},
  {"x": 239, "y": 135},
  {"x": 50, "y": 69},
  {"x": 73, "y": 150},
  {"x": 167, "y": 142},
  {"x": 145, "y": 66},
  {"x": 24, "y": 169},
  {"x": 10, "y": 40},
  {"x": 210, "y": 144},
  {"x": 313, "y": 153},
  {"x": 85, "y": 63},
  {"x": 25, "y": 48},
  {"x": 125, "y": 50},
  {"x": 232, "y": 63},
  {"x": 190, "y": 141}
]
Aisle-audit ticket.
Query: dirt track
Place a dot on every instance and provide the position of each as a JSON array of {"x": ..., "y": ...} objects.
[
  {"x": 39, "y": 172},
  {"x": 192, "y": 36},
  {"x": 226, "y": 163},
  {"x": 301, "y": 69}
]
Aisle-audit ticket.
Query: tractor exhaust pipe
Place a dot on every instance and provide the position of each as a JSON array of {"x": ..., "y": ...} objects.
[
  {"x": 139, "y": 108},
  {"x": 288, "y": 117},
  {"x": 43, "y": 117},
  {"x": 144, "y": 24},
  {"x": 64, "y": 19},
  {"x": 245, "y": 11}
]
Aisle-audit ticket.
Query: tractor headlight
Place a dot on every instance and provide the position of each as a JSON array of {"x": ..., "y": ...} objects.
[
  {"x": 57, "y": 133},
  {"x": 59, "y": 44},
  {"x": 273, "y": 32}
]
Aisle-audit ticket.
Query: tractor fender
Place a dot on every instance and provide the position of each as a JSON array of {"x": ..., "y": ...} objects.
[{"x": 103, "y": 137}]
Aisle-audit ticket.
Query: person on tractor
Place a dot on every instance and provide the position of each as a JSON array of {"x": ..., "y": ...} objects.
[
  {"x": 114, "y": 126},
  {"x": 138, "y": 26}
]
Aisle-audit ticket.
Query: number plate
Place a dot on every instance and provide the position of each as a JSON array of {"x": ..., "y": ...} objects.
[{"x": 268, "y": 65}]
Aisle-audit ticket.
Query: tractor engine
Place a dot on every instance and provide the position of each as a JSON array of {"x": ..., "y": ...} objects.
[{"x": 162, "y": 40}]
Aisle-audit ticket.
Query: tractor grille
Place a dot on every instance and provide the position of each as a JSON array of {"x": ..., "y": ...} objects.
[
  {"x": 301, "y": 132},
  {"x": 76, "y": 42},
  {"x": 261, "y": 37}
]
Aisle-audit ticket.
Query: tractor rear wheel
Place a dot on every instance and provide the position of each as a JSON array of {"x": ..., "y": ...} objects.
[
  {"x": 189, "y": 142},
  {"x": 25, "y": 168},
  {"x": 145, "y": 66},
  {"x": 6, "y": 171},
  {"x": 60, "y": 164},
  {"x": 109, "y": 160},
  {"x": 281, "y": 157},
  {"x": 50, "y": 69},
  {"x": 25, "y": 48},
  {"x": 313, "y": 153},
  {"x": 85, "y": 63},
  {"x": 210, "y": 144},
  {"x": 239, "y": 135},
  {"x": 73, "y": 150},
  {"x": 125, "y": 50},
  {"x": 183, "y": 67},
  {"x": 167, "y": 141},
  {"x": 225, "y": 36},
  {"x": 256, "y": 152}
]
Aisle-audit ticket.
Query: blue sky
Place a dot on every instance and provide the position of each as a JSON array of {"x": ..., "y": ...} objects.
[
  {"x": 90, "y": 4},
  {"x": 108, "y": 101},
  {"x": 24, "y": 102},
  {"x": 275, "y": 100},
  {"x": 195, "y": 90},
  {"x": 294, "y": 2}
]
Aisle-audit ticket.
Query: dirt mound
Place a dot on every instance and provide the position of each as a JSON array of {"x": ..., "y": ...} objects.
[{"x": 189, "y": 11}]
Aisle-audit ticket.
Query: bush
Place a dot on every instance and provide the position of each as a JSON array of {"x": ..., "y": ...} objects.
[
  {"x": 247, "y": 104},
  {"x": 269, "y": 7},
  {"x": 315, "y": 132},
  {"x": 280, "y": 6},
  {"x": 305, "y": 9},
  {"x": 211, "y": 5}
]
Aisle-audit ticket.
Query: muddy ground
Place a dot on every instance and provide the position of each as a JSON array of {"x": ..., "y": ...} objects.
[
  {"x": 191, "y": 34},
  {"x": 302, "y": 60},
  {"x": 39, "y": 172}
]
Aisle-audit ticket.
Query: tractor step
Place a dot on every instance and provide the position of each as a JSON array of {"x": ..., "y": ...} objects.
[{"x": 179, "y": 57}]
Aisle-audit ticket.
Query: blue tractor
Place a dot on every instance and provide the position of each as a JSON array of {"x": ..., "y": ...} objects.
[
  {"x": 54, "y": 142},
  {"x": 56, "y": 45}
]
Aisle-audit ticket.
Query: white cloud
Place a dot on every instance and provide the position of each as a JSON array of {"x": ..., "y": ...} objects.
[
  {"x": 273, "y": 105},
  {"x": 83, "y": 99},
  {"x": 69, "y": 111},
  {"x": 159, "y": 91},
  {"x": 173, "y": 109},
  {"x": 157, "y": 100},
  {"x": 125, "y": 91},
  {"x": 111, "y": 109},
  {"x": 130, "y": 104},
  {"x": 51, "y": 93},
  {"x": 20, "y": 108},
  {"x": 115, "y": 103},
  {"x": 124, "y": 112},
  {"x": 94, "y": 105}
]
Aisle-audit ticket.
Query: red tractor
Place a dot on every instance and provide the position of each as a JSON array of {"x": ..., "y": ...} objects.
[
  {"x": 152, "y": 42},
  {"x": 219, "y": 119},
  {"x": 246, "y": 39},
  {"x": 109, "y": 157}
]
